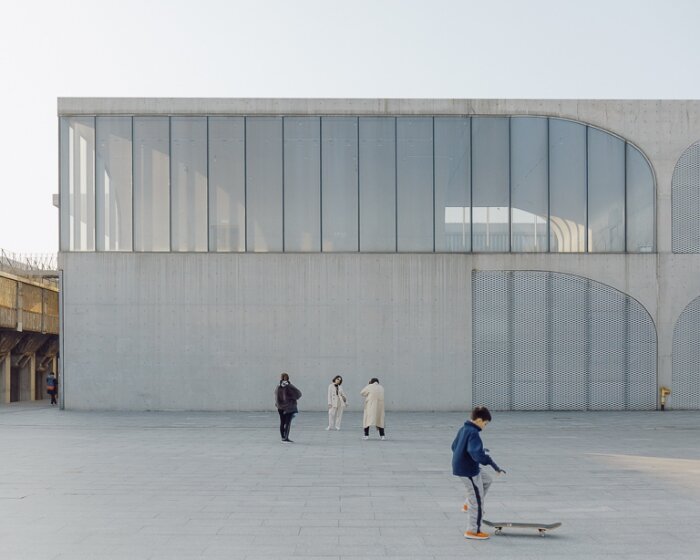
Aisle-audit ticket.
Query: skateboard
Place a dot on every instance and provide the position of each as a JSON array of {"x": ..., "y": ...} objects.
[{"x": 542, "y": 528}]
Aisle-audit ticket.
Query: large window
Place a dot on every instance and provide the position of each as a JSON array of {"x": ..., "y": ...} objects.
[
  {"x": 302, "y": 184},
  {"x": 113, "y": 191},
  {"x": 528, "y": 184},
  {"x": 453, "y": 184},
  {"x": 339, "y": 177},
  {"x": 606, "y": 192},
  {"x": 227, "y": 184},
  {"x": 378, "y": 184},
  {"x": 188, "y": 212},
  {"x": 414, "y": 202},
  {"x": 490, "y": 179},
  {"x": 264, "y": 184},
  {"x": 639, "y": 202},
  {"x": 354, "y": 183},
  {"x": 77, "y": 183},
  {"x": 151, "y": 184},
  {"x": 567, "y": 187}
]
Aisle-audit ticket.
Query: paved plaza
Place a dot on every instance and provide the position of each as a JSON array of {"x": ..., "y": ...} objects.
[{"x": 171, "y": 486}]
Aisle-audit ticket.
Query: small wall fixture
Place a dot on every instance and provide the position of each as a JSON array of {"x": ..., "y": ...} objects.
[{"x": 664, "y": 393}]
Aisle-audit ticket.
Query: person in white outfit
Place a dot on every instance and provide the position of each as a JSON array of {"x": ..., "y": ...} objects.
[
  {"x": 337, "y": 401},
  {"x": 374, "y": 408}
]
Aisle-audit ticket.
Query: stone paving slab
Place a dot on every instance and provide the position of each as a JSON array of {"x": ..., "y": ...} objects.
[{"x": 156, "y": 486}]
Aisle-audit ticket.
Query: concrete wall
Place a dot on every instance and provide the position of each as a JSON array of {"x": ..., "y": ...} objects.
[
  {"x": 168, "y": 331},
  {"x": 213, "y": 331}
]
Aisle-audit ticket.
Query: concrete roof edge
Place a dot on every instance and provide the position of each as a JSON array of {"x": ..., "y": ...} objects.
[{"x": 310, "y": 105}]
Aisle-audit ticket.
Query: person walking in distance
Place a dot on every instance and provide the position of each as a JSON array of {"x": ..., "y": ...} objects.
[
  {"x": 52, "y": 387},
  {"x": 286, "y": 397},
  {"x": 337, "y": 401},
  {"x": 374, "y": 408},
  {"x": 467, "y": 455}
]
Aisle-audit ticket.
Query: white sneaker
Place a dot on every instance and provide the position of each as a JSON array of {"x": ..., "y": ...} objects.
[
  {"x": 365, "y": 437},
  {"x": 328, "y": 428},
  {"x": 338, "y": 429},
  {"x": 383, "y": 438}
]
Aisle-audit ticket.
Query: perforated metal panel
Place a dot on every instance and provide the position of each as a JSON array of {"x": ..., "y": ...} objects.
[
  {"x": 685, "y": 377},
  {"x": 550, "y": 341},
  {"x": 685, "y": 196}
]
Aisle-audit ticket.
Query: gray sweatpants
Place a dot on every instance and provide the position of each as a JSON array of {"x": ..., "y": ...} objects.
[{"x": 477, "y": 487}]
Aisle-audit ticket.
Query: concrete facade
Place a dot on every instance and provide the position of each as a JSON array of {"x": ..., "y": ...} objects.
[
  {"x": 173, "y": 325},
  {"x": 212, "y": 331}
]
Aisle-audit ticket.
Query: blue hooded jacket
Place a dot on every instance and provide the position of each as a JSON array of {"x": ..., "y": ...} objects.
[{"x": 468, "y": 452}]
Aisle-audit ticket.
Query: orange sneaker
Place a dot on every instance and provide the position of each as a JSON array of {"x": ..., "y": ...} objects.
[
  {"x": 478, "y": 536},
  {"x": 465, "y": 507}
]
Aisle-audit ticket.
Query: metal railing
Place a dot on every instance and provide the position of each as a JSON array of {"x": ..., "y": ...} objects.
[{"x": 27, "y": 262}]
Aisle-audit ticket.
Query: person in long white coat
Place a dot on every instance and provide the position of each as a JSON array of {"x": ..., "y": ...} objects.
[
  {"x": 374, "y": 408},
  {"x": 337, "y": 401}
]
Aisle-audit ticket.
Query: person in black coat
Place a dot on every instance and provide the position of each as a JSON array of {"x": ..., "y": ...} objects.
[{"x": 286, "y": 397}]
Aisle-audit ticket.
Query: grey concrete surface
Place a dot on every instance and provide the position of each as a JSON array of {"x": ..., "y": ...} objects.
[
  {"x": 214, "y": 331},
  {"x": 207, "y": 331},
  {"x": 157, "y": 486}
]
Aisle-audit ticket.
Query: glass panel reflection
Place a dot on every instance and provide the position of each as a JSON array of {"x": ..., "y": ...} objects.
[
  {"x": 377, "y": 184},
  {"x": 151, "y": 184},
  {"x": 606, "y": 192},
  {"x": 340, "y": 183},
  {"x": 452, "y": 184},
  {"x": 227, "y": 184},
  {"x": 529, "y": 178},
  {"x": 567, "y": 186},
  {"x": 77, "y": 183},
  {"x": 490, "y": 184},
  {"x": 113, "y": 186},
  {"x": 414, "y": 200},
  {"x": 490, "y": 233},
  {"x": 302, "y": 184},
  {"x": 264, "y": 183},
  {"x": 309, "y": 184},
  {"x": 189, "y": 183},
  {"x": 640, "y": 203}
]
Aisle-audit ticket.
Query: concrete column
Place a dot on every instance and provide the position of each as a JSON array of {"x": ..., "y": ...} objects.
[
  {"x": 5, "y": 378},
  {"x": 54, "y": 368},
  {"x": 32, "y": 377}
]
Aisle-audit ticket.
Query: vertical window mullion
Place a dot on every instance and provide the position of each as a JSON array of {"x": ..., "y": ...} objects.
[
  {"x": 206, "y": 155},
  {"x": 359, "y": 200},
  {"x": 170, "y": 180},
  {"x": 245, "y": 183}
]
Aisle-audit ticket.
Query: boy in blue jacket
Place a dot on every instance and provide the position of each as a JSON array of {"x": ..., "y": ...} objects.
[{"x": 467, "y": 454}]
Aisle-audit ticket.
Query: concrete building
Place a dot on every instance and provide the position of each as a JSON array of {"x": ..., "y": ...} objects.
[{"x": 523, "y": 254}]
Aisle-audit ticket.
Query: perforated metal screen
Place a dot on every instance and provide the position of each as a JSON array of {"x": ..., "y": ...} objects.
[
  {"x": 685, "y": 377},
  {"x": 685, "y": 189},
  {"x": 550, "y": 341}
]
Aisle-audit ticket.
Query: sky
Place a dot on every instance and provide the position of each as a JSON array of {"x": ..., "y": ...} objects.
[{"x": 588, "y": 49}]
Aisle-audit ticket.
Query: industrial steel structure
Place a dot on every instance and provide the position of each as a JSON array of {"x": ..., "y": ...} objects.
[{"x": 28, "y": 335}]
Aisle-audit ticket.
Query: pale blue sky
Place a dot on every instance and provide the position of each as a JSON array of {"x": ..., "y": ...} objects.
[{"x": 643, "y": 49}]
